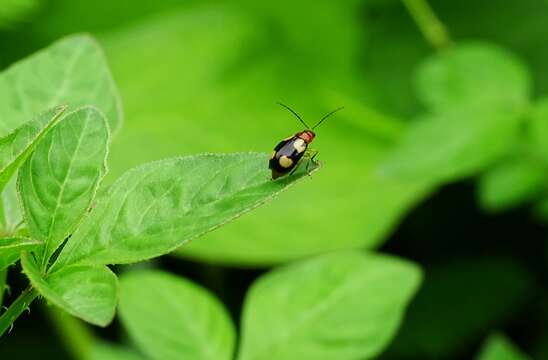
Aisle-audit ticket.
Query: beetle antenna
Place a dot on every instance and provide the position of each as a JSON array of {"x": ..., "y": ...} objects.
[
  {"x": 326, "y": 116},
  {"x": 294, "y": 113}
]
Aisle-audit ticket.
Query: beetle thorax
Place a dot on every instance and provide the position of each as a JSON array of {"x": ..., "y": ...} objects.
[{"x": 307, "y": 135}]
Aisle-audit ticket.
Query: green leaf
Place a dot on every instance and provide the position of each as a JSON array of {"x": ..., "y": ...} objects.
[
  {"x": 11, "y": 248},
  {"x": 340, "y": 306},
  {"x": 452, "y": 145},
  {"x": 72, "y": 71},
  {"x": 11, "y": 213},
  {"x": 107, "y": 351},
  {"x": 14, "y": 12},
  {"x": 498, "y": 347},
  {"x": 159, "y": 206},
  {"x": 511, "y": 182},
  {"x": 17, "y": 146},
  {"x": 473, "y": 73},
  {"x": 177, "y": 320},
  {"x": 87, "y": 292},
  {"x": 244, "y": 69},
  {"x": 59, "y": 180},
  {"x": 539, "y": 127}
]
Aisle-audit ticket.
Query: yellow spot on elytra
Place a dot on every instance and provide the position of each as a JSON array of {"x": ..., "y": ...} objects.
[
  {"x": 273, "y": 154},
  {"x": 299, "y": 145},
  {"x": 286, "y": 162}
]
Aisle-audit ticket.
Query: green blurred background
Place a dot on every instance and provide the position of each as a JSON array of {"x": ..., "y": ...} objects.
[{"x": 204, "y": 76}]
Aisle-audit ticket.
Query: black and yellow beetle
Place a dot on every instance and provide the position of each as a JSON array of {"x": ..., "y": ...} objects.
[{"x": 288, "y": 153}]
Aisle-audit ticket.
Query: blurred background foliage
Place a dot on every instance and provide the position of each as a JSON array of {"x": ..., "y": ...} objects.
[{"x": 440, "y": 156}]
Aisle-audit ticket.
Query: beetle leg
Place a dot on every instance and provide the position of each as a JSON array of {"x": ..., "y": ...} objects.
[{"x": 310, "y": 154}]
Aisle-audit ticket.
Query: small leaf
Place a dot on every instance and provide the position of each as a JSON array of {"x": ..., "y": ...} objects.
[
  {"x": 177, "y": 320},
  {"x": 338, "y": 306},
  {"x": 511, "y": 182},
  {"x": 453, "y": 145},
  {"x": 157, "y": 207},
  {"x": 17, "y": 146},
  {"x": 72, "y": 71},
  {"x": 87, "y": 292},
  {"x": 11, "y": 248},
  {"x": 539, "y": 127},
  {"x": 498, "y": 347},
  {"x": 473, "y": 73},
  {"x": 59, "y": 180}
]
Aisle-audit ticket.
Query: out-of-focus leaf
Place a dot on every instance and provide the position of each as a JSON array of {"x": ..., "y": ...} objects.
[
  {"x": 194, "y": 323},
  {"x": 59, "y": 180},
  {"x": 473, "y": 73},
  {"x": 539, "y": 127},
  {"x": 72, "y": 72},
  {"x": 106, "y": 351},
  {"x": 498, "y": 347},
  {"x": 11, "y": 248},
  {"x": 17, "y": 146},
  {"x": 214, "y": 91},
  {"x": 87, "y": 292},
  {"x": 339, "y": 306},
  {"x": 451, "y": 145},
  {"x": 512, "y": 182},
  {"x": 157, "y": 207},
  {"x": 465, "y": 294},
  {"x": 14, "y": 12}
]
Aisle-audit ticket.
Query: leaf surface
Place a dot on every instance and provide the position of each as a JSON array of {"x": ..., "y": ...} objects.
[
  {"x": 473, "y": 73},
  {"x": 194, "y": 324},
  {"x": 344, "y": 305},
  {"x": 451, "y": 145},
  {"x": 87, "y": 292},
  {"x": 498, "y": 347},
  {"x": 59, "y": 180},
  {"x": 157, "y": 207},
  {"x": 71, "y": 71},
  {"x": 11, "y": 248},
  {"x": 17, "y": 146}
]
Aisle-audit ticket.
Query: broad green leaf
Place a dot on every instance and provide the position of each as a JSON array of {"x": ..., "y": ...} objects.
[
  {"x": 539, "y": 127},
  {"x": 106, "y": 351},
  {"x": 474, "y": 73},
  {"x": 157, "y": 207},
  {"x": 452, "y": 145},
  {"x": 227, "y": 104},
  {"x": 512, "y": 182},
  {"x": 59, "y": 180},
  {"x": 466, "y": 294},
  {"x": 72, "y": 72},
  {"x": 11, "y": 248},
  {"x": 17, "y": 146},
  {"x": 345, "y": 305},
  {"x": 87, "y": 292},
  {"x": 176, "y": 320},
  {"x": 498, "y": 347}
]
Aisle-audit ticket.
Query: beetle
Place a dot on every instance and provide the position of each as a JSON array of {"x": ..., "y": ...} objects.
[{"x": 287, "y": 154}]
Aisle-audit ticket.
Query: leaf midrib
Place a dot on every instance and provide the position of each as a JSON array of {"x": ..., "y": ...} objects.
[{"x": 62, "y": 190}]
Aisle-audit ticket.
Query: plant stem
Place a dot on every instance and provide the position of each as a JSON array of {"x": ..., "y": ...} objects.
[
  {"x": 16, "y": 308},
  {"x": 3, "y": 277},
  {"x": 431, "y": 27},
  {"x": 76, "y": 336}
]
